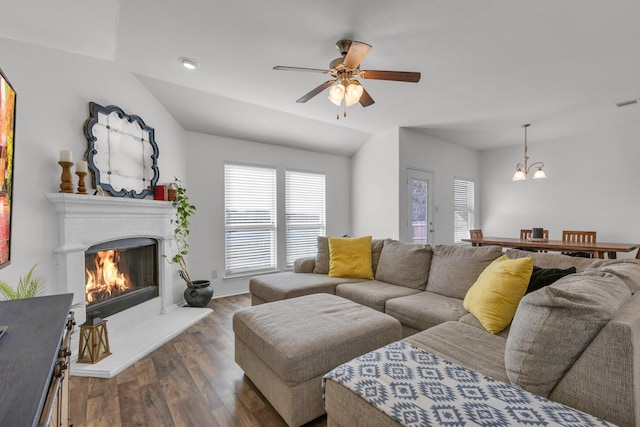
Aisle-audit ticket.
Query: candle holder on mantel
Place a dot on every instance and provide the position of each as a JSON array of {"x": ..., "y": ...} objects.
[
  {"x": 66, "y": 184},
  {"x": 82, "y": 187}
]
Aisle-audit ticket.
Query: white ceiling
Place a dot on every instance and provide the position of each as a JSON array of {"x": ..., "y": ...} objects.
[{"x": 487, "y": 66}]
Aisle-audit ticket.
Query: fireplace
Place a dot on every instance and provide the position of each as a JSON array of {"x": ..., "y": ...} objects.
[
  {"x": 92, "y": 224},
  {"x": 120, "y": 274}
]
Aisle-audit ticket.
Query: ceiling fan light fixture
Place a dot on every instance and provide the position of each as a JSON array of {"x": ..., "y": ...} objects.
[
  {"x": 336, "y": 93},
  {"x": 350, "y": 100},
  {"x": 346, "y": 67},
  {"x": 355, "y": 90}
]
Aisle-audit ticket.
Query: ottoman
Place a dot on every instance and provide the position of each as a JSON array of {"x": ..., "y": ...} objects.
[
  {"x": 287, "y": 284},
  {"x": 285, "y": 347}
]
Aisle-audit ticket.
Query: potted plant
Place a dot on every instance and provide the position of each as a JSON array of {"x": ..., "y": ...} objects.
[
  {"x": 29, "y": 286},
  {"x": 198, "y": 292}
]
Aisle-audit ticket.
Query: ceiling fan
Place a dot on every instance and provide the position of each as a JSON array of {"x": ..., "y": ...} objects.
[{"x": 344, "y": 71}]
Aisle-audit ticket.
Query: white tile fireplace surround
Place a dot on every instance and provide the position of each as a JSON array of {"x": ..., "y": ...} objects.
[{"x": 84, "y": 221}]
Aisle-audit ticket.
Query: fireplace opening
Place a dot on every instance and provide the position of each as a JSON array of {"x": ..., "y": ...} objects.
[{"x": 120, "y": 274}]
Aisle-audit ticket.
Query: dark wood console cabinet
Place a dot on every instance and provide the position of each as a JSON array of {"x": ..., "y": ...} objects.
[{"x": 34, "y": 361}]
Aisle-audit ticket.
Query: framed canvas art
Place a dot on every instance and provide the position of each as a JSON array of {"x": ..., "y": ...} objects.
[{"x": 7, "y": 134}]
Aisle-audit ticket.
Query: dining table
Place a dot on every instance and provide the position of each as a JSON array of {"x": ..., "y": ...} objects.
[{"x": 601, "y": 248}]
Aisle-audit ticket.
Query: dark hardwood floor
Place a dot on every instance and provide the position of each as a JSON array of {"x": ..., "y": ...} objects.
[{"x": 191, "y": 380}]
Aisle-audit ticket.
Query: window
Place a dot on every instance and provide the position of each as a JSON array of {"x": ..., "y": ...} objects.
[
  {"x": 305, "y": 214},
  {"x": 250, "y": 219},
  {"x": 463, "y": 209}
]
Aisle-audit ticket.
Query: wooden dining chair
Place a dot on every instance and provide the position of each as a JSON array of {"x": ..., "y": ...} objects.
[
  {"x": 527, "y": 233},
  {"x": 581, "y": 237},
  {"x": 475, "y": 234}
]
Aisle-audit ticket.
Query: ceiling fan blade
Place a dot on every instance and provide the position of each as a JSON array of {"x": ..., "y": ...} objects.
[
  {"x": 316, "y": 91},
  {"x": 355, "y": 55},
  {"x": 366, "y": 99},
  {"x": 312, "y": 70},
  {"x": 400, "y": 76}
]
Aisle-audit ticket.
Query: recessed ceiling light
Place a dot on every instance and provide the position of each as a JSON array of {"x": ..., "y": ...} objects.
[{"x": 188, "y": 63}]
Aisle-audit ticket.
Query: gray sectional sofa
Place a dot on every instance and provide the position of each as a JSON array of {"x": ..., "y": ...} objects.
[{"x": 576, "y": 341}]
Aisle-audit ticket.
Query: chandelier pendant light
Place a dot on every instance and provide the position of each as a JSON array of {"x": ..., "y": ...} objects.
[{"x": 522, "y": 169}]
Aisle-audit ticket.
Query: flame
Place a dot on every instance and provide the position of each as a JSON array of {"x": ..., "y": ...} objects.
[{"x": 105, "y": 280}]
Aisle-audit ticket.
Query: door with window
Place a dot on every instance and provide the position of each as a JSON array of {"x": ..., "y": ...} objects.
[{"x": 420, "y": 206}]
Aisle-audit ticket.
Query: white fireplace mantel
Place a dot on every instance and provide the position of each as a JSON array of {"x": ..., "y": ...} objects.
[{"x": 85, "y": 221}]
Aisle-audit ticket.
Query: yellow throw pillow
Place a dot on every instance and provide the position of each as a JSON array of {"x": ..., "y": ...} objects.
[
  {"x": 495, "y": 295},
  {"x": 350, "y": 257}
]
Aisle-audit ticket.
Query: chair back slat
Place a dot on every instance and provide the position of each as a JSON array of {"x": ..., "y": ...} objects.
[
  {"x": 579, "y": 236},
  {"x": 528, "y": 233},
  {"x": 574, "y": 236}
]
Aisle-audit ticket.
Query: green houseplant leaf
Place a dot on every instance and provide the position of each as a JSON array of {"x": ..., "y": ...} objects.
[
  {"x": 180, "y": 222},
  {"x": 29, "y": 286}
]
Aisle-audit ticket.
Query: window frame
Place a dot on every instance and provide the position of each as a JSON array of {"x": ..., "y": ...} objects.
[
  {"x": 267, "y": 225},
  {"x": 320, "y": 226},
  {"x": 460, "y": 201}
]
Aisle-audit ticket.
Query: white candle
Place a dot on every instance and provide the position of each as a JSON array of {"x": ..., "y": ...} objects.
[
  {"x": 65, "y": 155},
  {"x": 81, "y": 166}
]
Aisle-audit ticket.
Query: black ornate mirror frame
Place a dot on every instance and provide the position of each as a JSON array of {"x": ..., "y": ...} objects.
[{"x": 122, "y": 153}]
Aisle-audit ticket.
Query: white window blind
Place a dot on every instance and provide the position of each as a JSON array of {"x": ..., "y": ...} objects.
[
  {"x": 305, "y": 214},
  {"x": 463, "y": 210},
  {"x": 250, "y": 219}
]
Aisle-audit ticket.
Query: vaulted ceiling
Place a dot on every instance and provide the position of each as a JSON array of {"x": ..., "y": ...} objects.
[{"x": 487, "y": 66}]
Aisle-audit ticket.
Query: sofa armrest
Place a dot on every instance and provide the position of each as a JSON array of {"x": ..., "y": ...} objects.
[
  {"x": 605, "y": 380},
  {"x": 304, "y": 265}
]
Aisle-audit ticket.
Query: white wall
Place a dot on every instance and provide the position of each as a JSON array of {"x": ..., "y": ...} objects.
[
  {"x": 206, "y": 156},
  {"x": 592, "y": 184},
  {"x": 53, "y": 93},
  {"x": 375, "y": 174},
  {"x": 446, "y": 161}
]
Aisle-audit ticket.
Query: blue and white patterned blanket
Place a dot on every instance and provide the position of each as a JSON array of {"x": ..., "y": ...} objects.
[{"x": 417, "y": 388}]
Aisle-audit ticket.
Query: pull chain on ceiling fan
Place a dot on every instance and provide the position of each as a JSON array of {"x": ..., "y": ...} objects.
[{"x": 345, "y": 70}]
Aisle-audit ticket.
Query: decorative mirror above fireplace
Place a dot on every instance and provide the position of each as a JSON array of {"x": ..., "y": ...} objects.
[{"x": 122, "y": 152}]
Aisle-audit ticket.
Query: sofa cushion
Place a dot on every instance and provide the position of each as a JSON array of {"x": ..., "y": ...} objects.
[
  {"x": 322, "y": 257},
  {"x": 287, "y": 284},
  {"x": 455, "y": 268},
  {"x": 350, "y": 257},
  {"x": 472, "y": 320},
  {"x": 554, "y": 325},
  {"x": 373, "y": 293},
  {"x": 555, "y": 260},
  {"x": 541, "y": 277},
  {"x": 376, "y": 250},
  {"x": 425, "y": 309},
  {"x": 627, "y": 269},
  {"x": 304, "y": 265},
  {"x": 466, "y": 345},
  {"x": 404, "y": 264},
  {"x": 494, "y": 297}
]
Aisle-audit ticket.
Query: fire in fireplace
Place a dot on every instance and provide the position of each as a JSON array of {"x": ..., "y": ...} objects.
[{"x": 119, "y": 275}]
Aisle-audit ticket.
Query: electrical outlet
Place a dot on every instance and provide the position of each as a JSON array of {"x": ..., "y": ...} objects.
[{"x": 214, "y": 274}]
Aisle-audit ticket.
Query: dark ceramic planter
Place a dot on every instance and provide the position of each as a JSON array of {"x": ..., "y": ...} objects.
[{"x": 198, "y": 293}]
